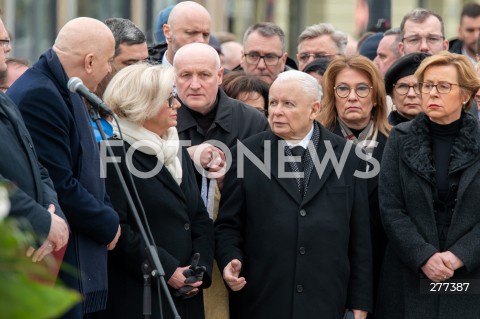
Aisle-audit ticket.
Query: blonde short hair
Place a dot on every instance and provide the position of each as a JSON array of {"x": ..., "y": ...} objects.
[
  {"x": 138, "y": 91},
  {"x": 467, "y": 76}
]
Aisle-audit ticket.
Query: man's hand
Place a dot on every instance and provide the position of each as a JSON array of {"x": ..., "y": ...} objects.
[
  {"x": 359, "y": 314},
  {"x": 210, "y": 158},
  {"x": 58, "y": 234},
  {"x": 111, "y": 246},
  {"x": 177, "y": 281},
  {"x": 231, "y": 273},
  {"x": 436, "y": 269},
  {"x": 56, "y": 240}
]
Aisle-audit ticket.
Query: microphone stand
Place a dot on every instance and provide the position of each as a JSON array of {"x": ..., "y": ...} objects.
[{"x": 152, "y": 253}]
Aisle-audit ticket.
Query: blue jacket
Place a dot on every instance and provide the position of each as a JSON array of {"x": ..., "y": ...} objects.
[{"x": 63, "y": 137}]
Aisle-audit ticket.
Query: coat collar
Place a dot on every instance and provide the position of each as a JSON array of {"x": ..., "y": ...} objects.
[
  {"x": 414, "y": 139},
  {"x": 223, "y": 116}
]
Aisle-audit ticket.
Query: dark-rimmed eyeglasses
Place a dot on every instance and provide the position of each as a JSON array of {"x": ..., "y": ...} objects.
[
  {"x": 254, "y": 58},
  {"x": 441, "y": 87},
  {"x": 403, "y": 88},
  {"x": 305, "y": 56},
  {"x": 415, "y": 40},
  {"x": 5, "y": 43},
  {"x": 362, "y": 90},
  {"x": 173, "y": 96}
]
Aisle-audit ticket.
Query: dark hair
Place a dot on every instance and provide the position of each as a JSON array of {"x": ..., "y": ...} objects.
[
  {"x": 318, "y": 66},
  {"x": 471, "y": 10},
  {"x": 125, "y": 31},
  {"x": 236, "y": 82},
  {"x": 419, "y": 15}
]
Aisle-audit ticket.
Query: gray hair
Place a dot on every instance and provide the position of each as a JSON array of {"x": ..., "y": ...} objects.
[
  {"x": 317, "y": 30},
  {"x": 419, "y": 15},
  {"x": 308, "y": 83},
  {"x": 125, "y": 31},
  {"x": 266, "y": 29}
]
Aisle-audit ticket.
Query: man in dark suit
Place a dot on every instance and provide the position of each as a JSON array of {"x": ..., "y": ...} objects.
[
  {"x": 292, "y": 234},
  {"x": 33, "y": 198},
  {"x": 59, "y": 124}
]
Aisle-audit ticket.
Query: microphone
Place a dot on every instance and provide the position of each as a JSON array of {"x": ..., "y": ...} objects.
[{"x": 76, "y": 85}]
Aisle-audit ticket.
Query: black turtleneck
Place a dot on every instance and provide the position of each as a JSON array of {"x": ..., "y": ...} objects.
[
  {"x": 204, "y": 121},
  {"x": 442, "y": 141}
]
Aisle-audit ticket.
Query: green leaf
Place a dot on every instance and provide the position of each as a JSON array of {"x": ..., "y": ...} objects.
[{"x": 22, "y": 298}]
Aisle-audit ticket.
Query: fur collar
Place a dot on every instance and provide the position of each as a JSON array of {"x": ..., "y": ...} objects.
[{"x": 415, "y": 141}]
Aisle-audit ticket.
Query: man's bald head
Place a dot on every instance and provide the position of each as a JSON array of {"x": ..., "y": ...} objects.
[
  {"x": 204, "y": 51},
  {"x": 185, "y": 9},
  {"x": 198, "y": 76},
  {"x": 188, "y": 22},
  {"x": 85, "y": 48}
]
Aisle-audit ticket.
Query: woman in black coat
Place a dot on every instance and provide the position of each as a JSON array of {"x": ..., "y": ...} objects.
[
  {"x": 354, "y": 107},
  {"x": 142, "y": 98},
  {"x": 429, "y": 198}
]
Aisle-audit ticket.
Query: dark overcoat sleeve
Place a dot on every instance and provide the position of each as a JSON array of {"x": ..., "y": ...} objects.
[
  {"x": 402, "y": 233},
  {"x": 54, "y": 134}
]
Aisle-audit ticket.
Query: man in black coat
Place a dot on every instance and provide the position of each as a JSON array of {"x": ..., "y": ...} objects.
[
  {"x": 33, "y": 197},
  {"x": 295, "y": 245}
]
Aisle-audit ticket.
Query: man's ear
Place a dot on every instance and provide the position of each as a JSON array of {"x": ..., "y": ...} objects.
[
  {"x": 316, "y": 106},
  {"x": 167, "y": 32},
  {"x": 89, "y": 61}
]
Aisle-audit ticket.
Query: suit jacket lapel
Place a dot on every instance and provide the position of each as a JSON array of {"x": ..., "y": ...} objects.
[{"x": 320, "y": 173}]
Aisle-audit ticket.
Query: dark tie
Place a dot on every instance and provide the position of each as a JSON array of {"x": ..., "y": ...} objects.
[{"x": 299, "y": 151}]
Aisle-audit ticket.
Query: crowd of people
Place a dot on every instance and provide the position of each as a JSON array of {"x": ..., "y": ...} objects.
[{"x": 337, "y": 184}]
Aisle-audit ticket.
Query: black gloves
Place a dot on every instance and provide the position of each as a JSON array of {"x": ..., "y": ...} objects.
[{"x": 193, "y": 274}]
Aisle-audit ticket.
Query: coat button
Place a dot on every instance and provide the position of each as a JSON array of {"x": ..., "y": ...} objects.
[
  {"x": 303, "y": 213},
  {"x": 299, "y": 288},
  {"x": 186, "y": 226},
  {"x": 302, "y": 250}
]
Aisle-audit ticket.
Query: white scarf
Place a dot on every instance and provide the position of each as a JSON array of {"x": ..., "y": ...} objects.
[{"x": 165, "y": 147}]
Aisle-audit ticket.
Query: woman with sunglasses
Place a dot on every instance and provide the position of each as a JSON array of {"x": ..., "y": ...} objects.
[
  {"x": 143, "y": 99},
  {"x": 354, "y": 106},
  {"x": 429, "y": 198}
]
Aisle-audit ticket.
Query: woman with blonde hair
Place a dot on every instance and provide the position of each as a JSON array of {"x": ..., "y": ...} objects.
[
  {"x": 429, "y": 186},
  {"x": 143, "y": 98},
  {"x": 354, "y": 106}
]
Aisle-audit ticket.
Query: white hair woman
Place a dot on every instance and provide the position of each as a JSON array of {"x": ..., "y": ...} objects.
[{"x": 142, "y": 97}]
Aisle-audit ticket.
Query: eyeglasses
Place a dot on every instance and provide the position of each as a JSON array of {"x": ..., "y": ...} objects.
[
  {"x": 170, "y": 99},
  {"x": 442, "y": 87},
  {"x": 5, "y": 43},
  {"x": 305, "y": 56},
  {"x": 404, "y": 88},
  {"x": 361, "y": 90},
  {"x": 415, "y": 40},
  {"x": 269, "y": 59}
]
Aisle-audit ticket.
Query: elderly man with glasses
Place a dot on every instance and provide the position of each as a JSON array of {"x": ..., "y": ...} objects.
[
  {"x": 422, "y": 30},
  {"x": 320, "y": 41}
]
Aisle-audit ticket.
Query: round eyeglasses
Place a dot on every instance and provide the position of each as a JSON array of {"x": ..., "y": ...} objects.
[
  {"x": 403, "y": 88},
  {"x": 361, "y": 90}
]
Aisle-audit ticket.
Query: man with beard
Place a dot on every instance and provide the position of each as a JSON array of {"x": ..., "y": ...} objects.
[{"x": 468, "y": 32}]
